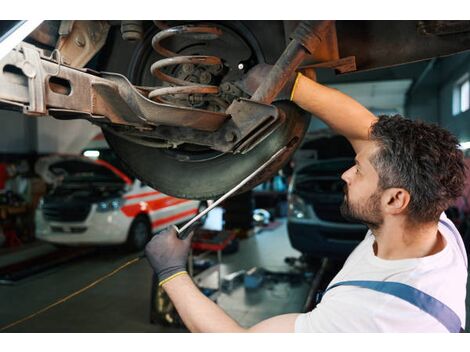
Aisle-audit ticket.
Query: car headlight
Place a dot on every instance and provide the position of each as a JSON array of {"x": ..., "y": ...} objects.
[
  {"x": 109, "y": 205},
  {"x": 297, "y": 207}
]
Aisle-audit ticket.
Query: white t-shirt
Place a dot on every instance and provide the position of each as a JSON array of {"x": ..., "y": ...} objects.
[{"x": 354, "y": 309}]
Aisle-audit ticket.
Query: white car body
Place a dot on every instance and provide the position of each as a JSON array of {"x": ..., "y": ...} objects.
[
  {"x": 110, "y": 226},
  {"x": 113, "y": 227}
]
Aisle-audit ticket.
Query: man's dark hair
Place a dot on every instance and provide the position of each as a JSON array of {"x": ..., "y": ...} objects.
[{"x": 423, "y": 159}]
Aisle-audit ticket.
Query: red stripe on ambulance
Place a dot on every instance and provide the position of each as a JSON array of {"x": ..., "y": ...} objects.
[
  {"x": 172, "y": 218},
  {"x": 132, "y": 210}
]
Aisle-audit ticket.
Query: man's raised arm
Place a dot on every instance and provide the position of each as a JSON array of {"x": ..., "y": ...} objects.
[{"x": 341, "y": 113}]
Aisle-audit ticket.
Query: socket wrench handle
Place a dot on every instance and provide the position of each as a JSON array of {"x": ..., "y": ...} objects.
[{"x": 186, "y": 229}]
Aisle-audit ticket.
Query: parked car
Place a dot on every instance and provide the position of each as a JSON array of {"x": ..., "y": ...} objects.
[
  {"x": 315, "y": 225},
  {"x": 92, "y": 202}
]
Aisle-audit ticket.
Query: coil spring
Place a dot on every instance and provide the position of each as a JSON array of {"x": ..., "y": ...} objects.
[{"x": 181, "y": 86}]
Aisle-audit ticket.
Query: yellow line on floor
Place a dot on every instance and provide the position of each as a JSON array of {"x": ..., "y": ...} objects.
[{"x": 65, "y": 299}]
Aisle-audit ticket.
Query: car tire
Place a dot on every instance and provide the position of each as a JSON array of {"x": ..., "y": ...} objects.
[
  {"x": 139, "y": 233},
  {"x": 209, "y": 179}
]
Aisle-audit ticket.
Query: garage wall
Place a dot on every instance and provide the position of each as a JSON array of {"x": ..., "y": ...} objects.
[
  {"x": 66, "y": 137},
  {"x": 431, "y": 97},
  {"x": 459, "y": 124},
  {"x": 21, "y": 134},
  {"x": 17, "y": 133},
  {"x": 380, "y": 97},
  {"x": 422, "y": 98}
]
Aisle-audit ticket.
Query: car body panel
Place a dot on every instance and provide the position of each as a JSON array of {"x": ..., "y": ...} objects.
[
  {"x": 112, "y": 226},
  {"x": 314, "y": 224}
]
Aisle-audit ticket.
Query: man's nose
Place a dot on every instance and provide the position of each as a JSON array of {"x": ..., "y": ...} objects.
[{"x": 346, "y": 175}]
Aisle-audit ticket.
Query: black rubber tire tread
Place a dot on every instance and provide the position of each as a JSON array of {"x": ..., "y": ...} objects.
[{"x": 212, "y": 178}]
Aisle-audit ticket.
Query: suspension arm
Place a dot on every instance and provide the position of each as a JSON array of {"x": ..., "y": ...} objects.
[{"x": 39, "y": 86}]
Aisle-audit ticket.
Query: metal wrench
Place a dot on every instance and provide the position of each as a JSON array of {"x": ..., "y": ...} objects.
[{"x": 184, "y": 231}]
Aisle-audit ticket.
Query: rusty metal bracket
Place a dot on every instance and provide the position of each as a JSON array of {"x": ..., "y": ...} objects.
[
  {"x": 307, "y": 37},
  {"x": 46, "y": 87},
  {"x": 343, "y": 65},
  {"x": 41, "y": 86},
  {"x": 244, "y": 112},
  {"x": 250, "y": 122},
  {"x": 80, "y": 40}
]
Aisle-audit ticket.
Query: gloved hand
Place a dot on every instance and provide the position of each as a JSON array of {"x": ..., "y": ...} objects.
[
  {"x": 252, "y": 80},
  {"x": 167, "y": 254}
]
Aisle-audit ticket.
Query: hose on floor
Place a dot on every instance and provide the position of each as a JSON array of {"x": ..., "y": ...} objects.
[{"x": 76, "y": 293}]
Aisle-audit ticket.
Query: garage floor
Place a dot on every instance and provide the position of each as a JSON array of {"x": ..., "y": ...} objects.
[{"x": 121, "y": 303}]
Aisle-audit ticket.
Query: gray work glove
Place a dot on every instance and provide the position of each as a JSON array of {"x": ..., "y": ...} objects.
[{"x": 167, "y": 254}]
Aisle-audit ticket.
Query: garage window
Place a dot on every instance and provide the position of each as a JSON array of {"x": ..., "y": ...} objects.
[{"x": 461, "y": 100}]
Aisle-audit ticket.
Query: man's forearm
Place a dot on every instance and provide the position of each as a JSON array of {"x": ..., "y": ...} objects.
[
  {"x": 198, "y": 312},
  {"x": 339, "y": 111}
]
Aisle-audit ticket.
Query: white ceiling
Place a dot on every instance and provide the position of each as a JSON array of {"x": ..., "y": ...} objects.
[{"x": 380, "y": 96}]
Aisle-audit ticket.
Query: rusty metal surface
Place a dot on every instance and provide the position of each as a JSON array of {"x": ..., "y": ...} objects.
[
  {"x": 110, "y": 95},
  {"x": 43, "y": 87},
  {"x": 280, "y": 73},
  {"x": 327, "y": 50},
  {"x": 307, "y": 37},
  {"x": 174, "y": 59},
  {"x": 250, "y": 122},
  {"x": 180, "y": 60},
  {"x": 132, "y": 30},
  {"x": 163, "y": 114},
  {"x": 197, "y": 31},
  {"x": 200, "y": 89},
  {"x": 312, "y": 33},
  {"x": 443, "y": 27},
  {"x": 79, "y": 41},
  {"x": 46, "y": 33},
  {"x": 379, "y": 44},
  {"x": 344, "y": 65},
  {"x": 244, "y": 113}
]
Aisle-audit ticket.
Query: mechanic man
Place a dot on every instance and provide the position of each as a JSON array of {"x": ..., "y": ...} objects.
[{"x": 406, "y": 174}]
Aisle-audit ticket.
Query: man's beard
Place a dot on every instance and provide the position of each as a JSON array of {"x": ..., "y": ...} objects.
[{"x": 368, "y": 213}]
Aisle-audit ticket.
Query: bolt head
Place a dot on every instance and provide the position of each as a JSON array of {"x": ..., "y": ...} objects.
[
  {"x": 225, "y": 87},
  {"x": 205, "y": 77},
  {"x": 230, "y": 137},
  {"x": 80, "y": 41},
  {"x": 216, "y": 69},
  {"x": 188, "y": 68}
]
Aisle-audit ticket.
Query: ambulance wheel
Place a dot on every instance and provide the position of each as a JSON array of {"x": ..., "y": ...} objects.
[
  {"x": 213, "y": 174},
  {"x": 139, "y": 233}
]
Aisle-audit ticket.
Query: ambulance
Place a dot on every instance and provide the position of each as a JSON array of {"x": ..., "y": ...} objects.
[{"x": 93, "y": 201}]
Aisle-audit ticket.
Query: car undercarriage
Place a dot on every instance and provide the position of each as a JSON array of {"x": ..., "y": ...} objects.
[{"x": 185, "y": 118}]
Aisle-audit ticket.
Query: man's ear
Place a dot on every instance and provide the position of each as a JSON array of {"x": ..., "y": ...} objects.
[{"x": 395, "y": 200}]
